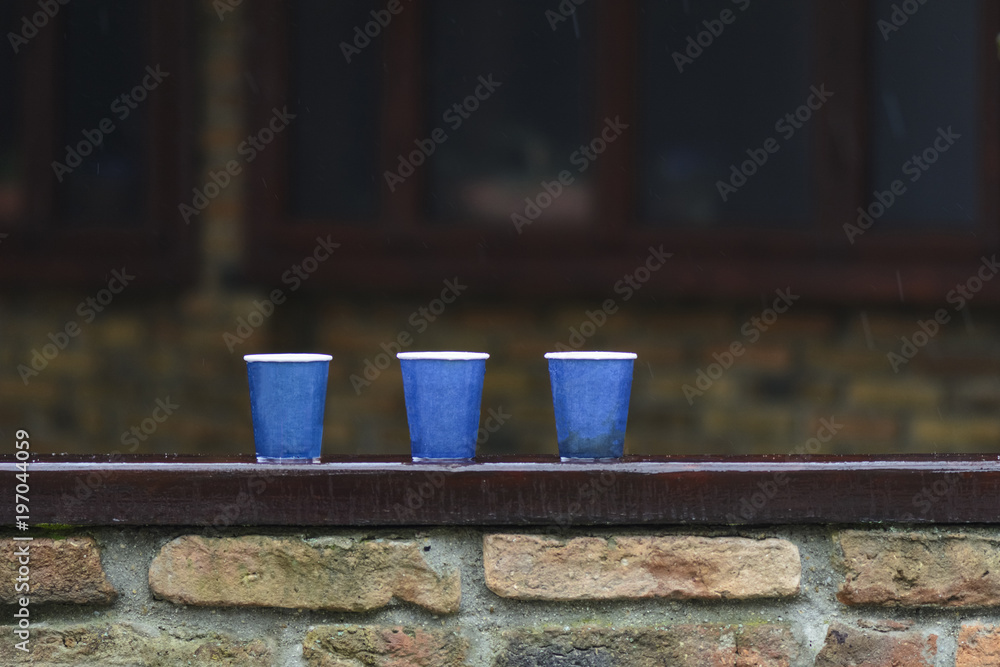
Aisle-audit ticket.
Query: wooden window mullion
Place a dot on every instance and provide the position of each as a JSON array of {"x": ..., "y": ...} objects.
[
  {"x": 616, "y": 64},
  {"x": 403, "y": 115},
  {"x": 841, "y": 130}
]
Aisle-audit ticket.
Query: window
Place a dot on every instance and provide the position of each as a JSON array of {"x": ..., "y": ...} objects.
[
  {"x": 334, "y": 141},
  {"x": 95, "y": 154},
  {"x": 765, "y": 144},
  {"x": 11, "y": 157},
  {"x": 692, "y": 132},
  {"x": 512, "y": 116},
  {"x": 913, "y": 96}
]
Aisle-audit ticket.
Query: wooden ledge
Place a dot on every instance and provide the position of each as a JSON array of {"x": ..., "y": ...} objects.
[{"x": 388, "y": 491}]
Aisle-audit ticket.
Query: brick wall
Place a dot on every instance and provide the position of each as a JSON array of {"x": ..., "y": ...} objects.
[
  {"x": 442, "y": 597},
  {"x": 816, "y": 362}
]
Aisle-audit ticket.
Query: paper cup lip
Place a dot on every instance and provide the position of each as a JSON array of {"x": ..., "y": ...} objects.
[
  {"x": 443, "y": 355},
  {"x": 287, "y": 357},
  {"x": 591, "y": 355}
]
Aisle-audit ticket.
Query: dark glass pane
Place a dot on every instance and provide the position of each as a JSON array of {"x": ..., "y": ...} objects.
[
  {"x": 335, "y": 137},
  {"x": 11, "y": 171},
  {"x": 924, "y": 83},
  {"x": 532, "y": 113},
  {"x": 718, "y": 79},
  {"x": 107, "y": 84}
]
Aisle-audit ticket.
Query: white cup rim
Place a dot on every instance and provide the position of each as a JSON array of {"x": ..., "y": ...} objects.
[
  {"x": 443, "y": 355},
  {"x": 591, "y": 355},
  {"x": 286, "y": 357}
]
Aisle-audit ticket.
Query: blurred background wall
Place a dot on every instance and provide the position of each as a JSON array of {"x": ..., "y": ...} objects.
[{"x": 158, "y": 367}]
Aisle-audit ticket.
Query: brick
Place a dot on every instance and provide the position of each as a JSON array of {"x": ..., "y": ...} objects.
[
  {"x": 677, "y": 646},
  {"x": 667, "y": 386},
  {"x": 509, "y": 381},
  {"x": 799, "y": 324},
  {"x": 329, "y": 573},
  {"x": 846, "y": 360},
  {"x": 767, "y": 387},
  {"x": 127, "y": 645},
  {"x": 36, "y": 391},
  {"x": 765, "y": 645},
  {"x": 980, "y": 393},
  {"x": 654, "y": 350},
  {"x": 74, "y": 363},
  {"x": 846, "y": 646},
  {"x": 756, "y": 356},
  {"x": 664, "y": 423},
  {"x": 671, "y": 389},
  {"x": 527, "y": 348},
  {"x": 884, "y": 327},
  {"x": 534, "y": 567},
  {"x": 62, "y": 571},
  {"x": 858, "y": 427},
  {"x": 764, "y": 357},
  {"x": 964, "y": 360},
  {"x": 760, "y": 423},
  {"x": 817, "y": 390},
  {"x": 120, "y": 331},
  {"x": 481, "y": 319},
  {"x": 334, "y": 645},
  {"x": 919, "y": 569},
  {"x": 904, "y": 392},
  {"x": 956, "y": 434},
  {"x": 978, "y": 646}
]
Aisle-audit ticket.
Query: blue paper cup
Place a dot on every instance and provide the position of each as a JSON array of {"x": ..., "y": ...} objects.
[
  {"x": 443, "y": 392},
  {"x": 287, "y": 399},
  {"x": 590, "y": 394}
]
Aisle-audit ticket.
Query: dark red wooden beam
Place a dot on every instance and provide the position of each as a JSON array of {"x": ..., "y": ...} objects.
[{"x": 177, "y": 490}]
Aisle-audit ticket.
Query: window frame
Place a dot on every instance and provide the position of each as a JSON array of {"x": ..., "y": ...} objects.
[
  {"x": 36, "y": 251},
  {"x": 403, "y": 254}
]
